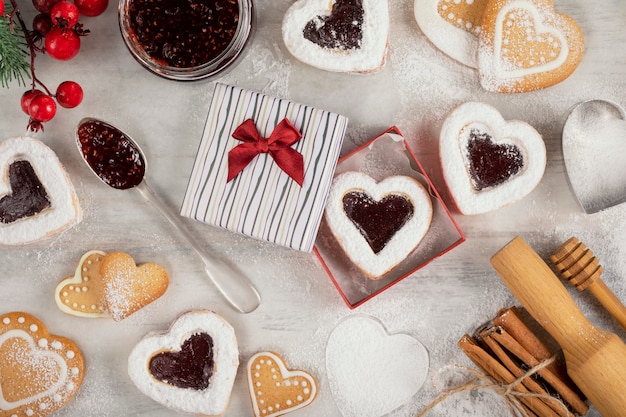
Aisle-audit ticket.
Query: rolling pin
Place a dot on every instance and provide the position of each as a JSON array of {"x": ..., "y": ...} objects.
[{"x": 595, "y": 359}]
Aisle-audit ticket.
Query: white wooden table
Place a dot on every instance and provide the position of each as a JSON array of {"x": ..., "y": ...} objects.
[{"x": 437, "y": 305}]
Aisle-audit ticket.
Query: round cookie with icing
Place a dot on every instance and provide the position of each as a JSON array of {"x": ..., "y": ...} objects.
[
  {"x": 338, "y": 35},
  {"x": 524, "y": 45},
  {"x": 189, "y": 368},
  {"x": 37, "y": 198},
  {"x": 378, "y": 224},
  {"x": 39, "y": 372},
  {"x": 489, "y": 162}
]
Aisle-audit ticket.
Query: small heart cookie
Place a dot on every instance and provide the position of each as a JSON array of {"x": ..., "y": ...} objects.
[
  {"x": 274, "y": 389},
  {"x": 489, "y": 162},
  {"x": 378, "y": 224},
  {"x": 83, "y": 294},
  {"x": 524, "y": 45},
  {"x": 128, "y": 287},
  {"x": 189, "y": 368},
  {"x": 338, "y": 35},
  {"x": 452, "y": 26},
  {"x": 37, "y": 198},
  {"x": 39, "y": 372}
]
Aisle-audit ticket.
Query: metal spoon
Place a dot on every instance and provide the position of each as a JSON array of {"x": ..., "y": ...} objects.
[{"x": 118, "y": 161}]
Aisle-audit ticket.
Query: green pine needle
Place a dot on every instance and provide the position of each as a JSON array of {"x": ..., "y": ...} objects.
[{"x": 14, "y": 55}]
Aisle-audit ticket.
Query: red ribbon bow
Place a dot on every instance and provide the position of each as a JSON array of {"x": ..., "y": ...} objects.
[{"x": 278, "y": 145}]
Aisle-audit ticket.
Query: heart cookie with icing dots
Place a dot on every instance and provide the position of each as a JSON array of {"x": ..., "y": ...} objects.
[
  {"x": 338, "y": 35},
  {"x": 452, "y": 26},
  {"x": 189, "y": 368},
  {"x": 524, "y": 45},
  {"x": 274, "y": 389},
  {"x": 378, "y": 224},
  {"x": 37, "y": 198},
  {"x": 489, "y": 162},
  {"x": 39, "y": 372}
]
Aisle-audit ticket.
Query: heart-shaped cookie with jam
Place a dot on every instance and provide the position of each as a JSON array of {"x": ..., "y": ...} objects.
[
  {"x": 37, "y": 198},
  {"x": 189, "y": 368},
  {"x": 39, "y": 372},
  {"x": 378, "y": 224},
  {"x": 338, "y": 35},
  {"x": 524, "y": 45},
  {"x": 276, "y": 390},
  {"x": 489, "y": 162}
]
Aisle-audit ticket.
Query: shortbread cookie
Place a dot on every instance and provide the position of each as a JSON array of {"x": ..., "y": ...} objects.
[
  {"x": 524, "y": 45},
  {"x": 489, "y": 162},
  {"x": 189, "y": 368},
  {"x": 452, "y": 26},
  {"x": 37, "y": 198},
  {"x": 276, "y": 390},
  {"x": 39, "y": 372},
  {"x": 378, "y": 224},
  {"x": 338, "y": 35},
  {"x": 128, "y": 287},
  {"x": 83, "y": 293}
]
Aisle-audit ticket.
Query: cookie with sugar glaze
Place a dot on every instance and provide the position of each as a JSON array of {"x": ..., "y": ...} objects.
[
  {"x": 524, "y": 45},
  {"x": 338, "y": 35}
]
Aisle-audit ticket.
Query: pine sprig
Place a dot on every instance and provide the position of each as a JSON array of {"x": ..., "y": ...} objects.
[{"x": 14, "y": 55}]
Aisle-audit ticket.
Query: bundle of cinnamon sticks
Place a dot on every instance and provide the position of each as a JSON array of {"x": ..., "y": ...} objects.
[{"x": 506, "y": 349}]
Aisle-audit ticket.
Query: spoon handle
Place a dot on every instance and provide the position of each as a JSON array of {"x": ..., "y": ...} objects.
[{"x": 236, "y": 288}]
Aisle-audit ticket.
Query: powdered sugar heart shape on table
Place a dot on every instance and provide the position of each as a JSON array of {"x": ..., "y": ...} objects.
[
  {"x": 178, "y": 386},
  {"x": 41, "y": 178},
  {"x": 524, "y": 45},
  {"x": 370, "y": 371},
  {"x": 594, "y": 148},
  {"x": 398, "y": 209},
  {"x": 338, "y": 35},
  {"x": 452, "y": 26},
  {"x": 489, "y": 162}
]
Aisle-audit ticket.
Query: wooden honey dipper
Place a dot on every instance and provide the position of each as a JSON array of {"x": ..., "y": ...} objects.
[
  {"x": 577, "y": 265},
  {"x": 595, "y": 359}
]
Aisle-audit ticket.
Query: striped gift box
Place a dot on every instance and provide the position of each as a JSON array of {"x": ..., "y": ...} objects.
[{"x": 262, "y": 201}]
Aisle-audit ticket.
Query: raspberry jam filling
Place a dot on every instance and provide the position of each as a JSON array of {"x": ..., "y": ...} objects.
[
  {"x": 490, "y": 163},
  {"x": 342, "y": 29},
  {"x": 191, "y": 367},
  {"x": 28, "y": 196},
  {"x": 378, "y": 221}
]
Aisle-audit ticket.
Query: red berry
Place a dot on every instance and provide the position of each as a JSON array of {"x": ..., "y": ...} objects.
[
  {"x": 1, "y": 8},
  {"x": 69, "y": 94},
  {"x": 42, "y": 108},
  {"x": 91, "y": 7},
  {"x": 42, "y": 24},
  {"x": 64, "y": 14},
  {"x": 27, "y": 97},
  {"x": 44, "y": 6},
  {"x": 62, "y": 44}
]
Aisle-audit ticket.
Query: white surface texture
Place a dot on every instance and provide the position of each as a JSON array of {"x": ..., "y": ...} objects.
[{"x": 419, "y": 85}]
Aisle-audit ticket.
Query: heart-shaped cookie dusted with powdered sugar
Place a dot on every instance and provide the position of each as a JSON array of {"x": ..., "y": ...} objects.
[
  {"x": 276, "y": 390},
  {"x": 378, "y": 224},
  {"x": 37, "y": 198},
  {"x": 338, "y": 35},
  {"x": 524, "y": 45},
  {"x": 489, "y": 162}
]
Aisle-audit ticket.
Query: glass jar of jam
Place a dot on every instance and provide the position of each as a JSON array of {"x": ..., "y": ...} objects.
[{"x": 186, "y": 40}]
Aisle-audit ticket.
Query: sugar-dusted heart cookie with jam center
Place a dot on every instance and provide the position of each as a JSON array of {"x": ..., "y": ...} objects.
[
  {"x": 83, "y": 294},
  {"x": 452, "y": 26},
  {"x": 489, "y": 162},
  {"x": 276, "y": 390},
  {"x": 128, "y": 287},
  {"x": 378, "y": 224},
  {"x": 524, "y": 45},
  {"x": 189, "y": 368},
  {"x": 338, "y": 35},
  {"x": 37, "y": 198},
  {"x": 39, "y": 372}
]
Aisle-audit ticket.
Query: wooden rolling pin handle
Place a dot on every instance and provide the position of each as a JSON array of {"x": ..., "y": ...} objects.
[{"x": 595, "y": 359}]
